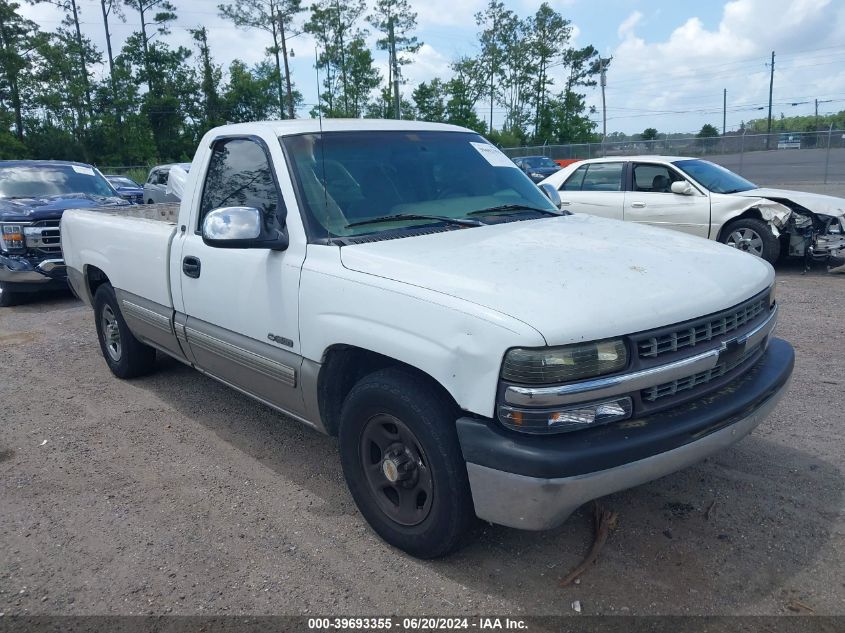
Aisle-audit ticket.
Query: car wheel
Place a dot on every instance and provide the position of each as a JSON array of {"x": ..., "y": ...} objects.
[
  {"x": 126, "y": 356},
  {"x": 403, "y": 464},
  {"x": 7, "y": 298},
  {"x": 150, "y": 201},
  {"x": 753, "y": 236}
]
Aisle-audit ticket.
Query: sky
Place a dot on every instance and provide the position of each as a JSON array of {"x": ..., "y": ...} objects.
[{"x": 672, "y": 59}]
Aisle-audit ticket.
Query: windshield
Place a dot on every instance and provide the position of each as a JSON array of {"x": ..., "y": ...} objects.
[
  {"x": 539, "y": 161},
  {"x": 35, "y": 181},
  {"x": 346, "y": 178},
  {"x": 715, "y": 177},
  {"x": 122, "y": 181}
]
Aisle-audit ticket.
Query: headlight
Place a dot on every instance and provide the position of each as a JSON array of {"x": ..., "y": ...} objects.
[
  {"x": 12, "y": 238},
  {"x": 567, "y": 363},
  {"x": 534, "y": 174}
]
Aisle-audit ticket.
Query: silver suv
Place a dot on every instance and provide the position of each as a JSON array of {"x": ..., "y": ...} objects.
[{"x": 155, "y": 189}]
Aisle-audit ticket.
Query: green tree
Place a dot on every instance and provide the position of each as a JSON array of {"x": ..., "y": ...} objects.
[
  {"x": 492, "y": 51},
  {"x": 430, "y": 100},
  {"x": 211, "y": 78},
  {"x": 463, "y": 92},
  {"x": 549, "y": 39},
  {"x": 248, "y": 95},
  {"x": 396, "y": 21},
  {"x": 18, "y": 38},
  {"x": 151, "y": 13},
  {"x": 75, "y": 45},
  {"x": 277, "y": 17},
  {"x": 649, "y": 134},
  {"x": 344, "y": 54}
]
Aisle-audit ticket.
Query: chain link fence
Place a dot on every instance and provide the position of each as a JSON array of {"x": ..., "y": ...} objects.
[{"x": 784, "y": 157}]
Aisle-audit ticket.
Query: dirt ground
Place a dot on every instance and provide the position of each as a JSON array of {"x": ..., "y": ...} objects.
[{"x": 173, "y": 494}]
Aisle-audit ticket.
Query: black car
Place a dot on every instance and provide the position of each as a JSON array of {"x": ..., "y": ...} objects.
[
  {"x": 127, "y": 188},
  {"x": 33, "y": 196},
  {"x": 537, "y": 167}
]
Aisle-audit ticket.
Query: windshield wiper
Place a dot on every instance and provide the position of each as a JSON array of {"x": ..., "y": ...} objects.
[
  {"x": 415, "y": 216},
  {"x": 513, "y": 207}
]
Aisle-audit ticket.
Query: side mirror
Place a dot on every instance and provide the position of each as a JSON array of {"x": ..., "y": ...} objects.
[
  {"x": 551, "y": 193},
  {"x": 241, "y": 227},
  {"x": 682, "y": 188}
]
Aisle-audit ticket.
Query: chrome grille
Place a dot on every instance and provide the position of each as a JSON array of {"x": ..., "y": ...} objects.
[
  {"x": 702, "y": 330},
  {"x": 701, "y": 378},
  {"x": 43, "y": 236}
]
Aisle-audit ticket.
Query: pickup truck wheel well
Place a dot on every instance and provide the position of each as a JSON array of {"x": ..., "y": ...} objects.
[
  {"x": 94, "y": 278},
  {"x": 343, "y": 366}
]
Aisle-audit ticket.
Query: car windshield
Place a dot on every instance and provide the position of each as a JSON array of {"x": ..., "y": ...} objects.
[
  {"x": 348, "y": 178},
  {"x": 539, "y": 161},
  {"x": 34, "y": 181},
  {"x": 122, "y": 181},
  {"x": 715, "y": 177}
]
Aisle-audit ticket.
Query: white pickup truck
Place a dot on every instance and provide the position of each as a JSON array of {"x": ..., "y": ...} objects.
[{"x": 404, "y": 287}]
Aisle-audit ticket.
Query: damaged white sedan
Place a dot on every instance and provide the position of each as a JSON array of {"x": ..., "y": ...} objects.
[{"x": 701, "y": 198}]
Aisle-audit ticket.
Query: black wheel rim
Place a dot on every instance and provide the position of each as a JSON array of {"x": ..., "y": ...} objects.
[{"x": 396, "y": 469}]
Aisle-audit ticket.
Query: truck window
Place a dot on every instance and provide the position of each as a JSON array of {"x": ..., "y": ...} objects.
[{"x": 240, "y": 175}]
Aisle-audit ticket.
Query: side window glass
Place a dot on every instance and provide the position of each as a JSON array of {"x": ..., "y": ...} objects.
[
  {"x": 654, "y": 178},
  {"x": 573, "y": 183},
  {"x": 151, "y": 179},
  {"x": 603, "y": 177},
  {"x": 163, "y": 176},
  {"x": 239, "y": 175}
]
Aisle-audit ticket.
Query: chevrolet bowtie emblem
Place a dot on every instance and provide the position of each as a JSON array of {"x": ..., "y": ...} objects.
[{"x": 731, "y": 350}]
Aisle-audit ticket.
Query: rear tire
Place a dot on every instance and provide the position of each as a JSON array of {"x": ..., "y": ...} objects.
[
  {"x": 754, "y": 237},
  {"x": 126, "y": 356},
  {"x": 396, "y": 416},
  {"x": 8, "y": 299}
]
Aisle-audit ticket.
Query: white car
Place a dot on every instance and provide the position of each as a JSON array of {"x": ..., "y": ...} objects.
[
  {"x": 704, "y": 199},
  {"x": 405, "y": 287}
]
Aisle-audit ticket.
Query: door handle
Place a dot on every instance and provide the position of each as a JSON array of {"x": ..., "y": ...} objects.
[
  {"x": 191, "y": 266},
  {"x": 638, "y": 205}
]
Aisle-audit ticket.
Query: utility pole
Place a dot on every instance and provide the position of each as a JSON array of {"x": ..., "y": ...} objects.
[
  {"x": 603, "y": 104},
  {"x": 724, "y": 110},
  {"x": 395, "y": 67},
  {"x": 771, "y": 85}
]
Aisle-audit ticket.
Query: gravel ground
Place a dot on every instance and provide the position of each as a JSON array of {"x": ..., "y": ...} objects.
[{"x": 173, "y": 494}]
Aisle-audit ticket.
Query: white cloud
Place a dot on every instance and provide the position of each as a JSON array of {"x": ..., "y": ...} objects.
[
  {"x": 628, "y": 25},
  {"x": 686, "y": 72}
]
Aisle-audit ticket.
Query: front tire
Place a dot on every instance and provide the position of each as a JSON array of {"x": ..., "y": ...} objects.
[
  {"x": 403, "y": 464},
  {"x": 8, "y": 299},
  {"x": 126, "y": 356},
  {"x": 754, "y": 237}
]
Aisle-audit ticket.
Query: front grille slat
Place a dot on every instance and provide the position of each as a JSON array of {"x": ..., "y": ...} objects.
[
  {"x": 47, "y": 238},
  {"x": 664, "y": 390},
  {"x": 703, "y": 331}
]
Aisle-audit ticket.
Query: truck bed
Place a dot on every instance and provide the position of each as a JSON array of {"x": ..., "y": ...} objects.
[
  {"x": 130, "y": 245},
  {"x": 161, "y": 211}
]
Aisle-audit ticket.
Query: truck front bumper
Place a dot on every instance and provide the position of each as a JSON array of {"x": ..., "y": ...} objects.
[
  {"x": 26, "y": 275},
  {"x": 535, "y": 483}
]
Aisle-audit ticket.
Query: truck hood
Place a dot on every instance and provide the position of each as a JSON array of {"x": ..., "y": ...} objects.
[
  {"x": 572, "y": 278},
  {"x": 815, "y": 202},
  {"x": 51, "y": 207}
]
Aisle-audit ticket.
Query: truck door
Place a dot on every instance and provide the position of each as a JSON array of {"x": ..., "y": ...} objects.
[{"x": 241, "y": 303}]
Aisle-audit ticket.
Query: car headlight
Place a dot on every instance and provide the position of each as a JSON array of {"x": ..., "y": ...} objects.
[
  {"x": 12, "y": 238},
  {"x": 534, "y": 174},
  {"x": 566, "y": 363}
]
